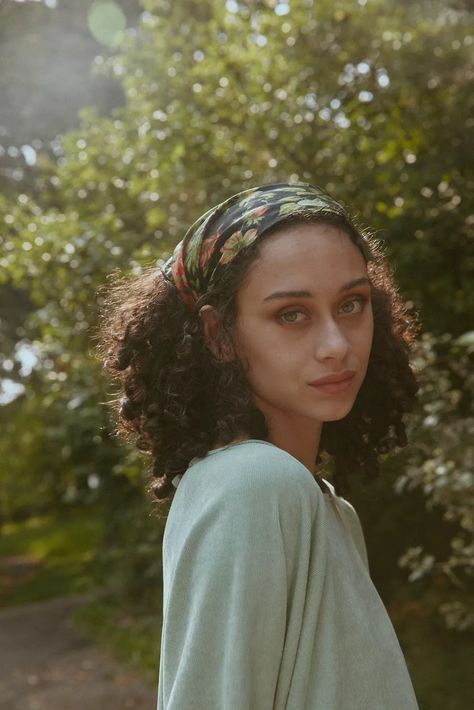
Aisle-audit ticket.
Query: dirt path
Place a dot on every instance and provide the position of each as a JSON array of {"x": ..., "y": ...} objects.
[{"x": 45, "y": 664}]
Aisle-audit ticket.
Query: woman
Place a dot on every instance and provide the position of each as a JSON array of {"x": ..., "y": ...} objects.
[{"x": 273, "y": 337}]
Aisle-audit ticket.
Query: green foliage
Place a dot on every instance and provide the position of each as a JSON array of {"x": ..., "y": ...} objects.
[
  {"x": 440, "y": 462},
  {"x": 356, "y": 97},
  {"x": 129, "y": 563},
  {"x": 61, "y": 432},
  {"x": 134, "y": 638},
  {"x": 419, "y": 515},
  {"x": 370, "y": 100},
  {"x": 58, "y": 551},
  {"x": 41, "y": 48}
]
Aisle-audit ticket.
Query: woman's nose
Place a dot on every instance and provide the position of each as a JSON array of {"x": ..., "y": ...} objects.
[{"x": 331, "y": 341}]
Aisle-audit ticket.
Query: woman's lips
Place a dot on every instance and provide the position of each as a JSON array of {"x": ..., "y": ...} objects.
[{"x": 335, "y": 387}]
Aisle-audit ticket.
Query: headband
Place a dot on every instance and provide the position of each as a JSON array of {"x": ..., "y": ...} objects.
[{"x": 222, "y": 232}]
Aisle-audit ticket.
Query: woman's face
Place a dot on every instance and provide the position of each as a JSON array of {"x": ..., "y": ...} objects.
[{"x": 288, "y": 341}]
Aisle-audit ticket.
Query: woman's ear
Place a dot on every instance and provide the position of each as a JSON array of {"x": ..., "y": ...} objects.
[{"x": 210, "y": 324}]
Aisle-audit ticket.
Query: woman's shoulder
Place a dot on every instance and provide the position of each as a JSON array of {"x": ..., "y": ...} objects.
[
  {"x": 247, "y": 467},
  {"x": 354, "y": 524},
  {"x": 250, "y": 484}
]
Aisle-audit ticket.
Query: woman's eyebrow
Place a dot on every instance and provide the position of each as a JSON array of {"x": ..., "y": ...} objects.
[{"x": 307, "y": 294}]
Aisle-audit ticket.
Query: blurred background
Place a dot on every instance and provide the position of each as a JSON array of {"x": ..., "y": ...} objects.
[{"x": 120, "y": 123}]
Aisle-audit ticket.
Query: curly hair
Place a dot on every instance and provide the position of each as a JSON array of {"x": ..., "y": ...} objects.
[{"x": 176, "y": 400}]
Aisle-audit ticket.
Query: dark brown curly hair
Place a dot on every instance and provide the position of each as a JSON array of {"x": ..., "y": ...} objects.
[{"x": 176, "y": 400}]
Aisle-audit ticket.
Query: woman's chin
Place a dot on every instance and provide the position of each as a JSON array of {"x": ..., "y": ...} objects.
[{"x": 336, "y": 412}]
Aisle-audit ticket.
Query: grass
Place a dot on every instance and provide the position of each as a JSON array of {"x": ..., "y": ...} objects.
[
  {"x": 48, "y": 556},
  {"x": 56, "y": 553},
  {"x": 133, "y": 638}
]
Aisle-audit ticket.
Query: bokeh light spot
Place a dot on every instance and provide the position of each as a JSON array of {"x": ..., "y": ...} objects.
[{"x": 107, "y": 22}]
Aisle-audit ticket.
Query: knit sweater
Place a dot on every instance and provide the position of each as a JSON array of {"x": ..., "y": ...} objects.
[{"x": 268, "y": 603}]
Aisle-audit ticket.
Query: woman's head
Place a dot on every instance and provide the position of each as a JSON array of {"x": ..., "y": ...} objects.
[
  {"x": 288, "y": 341},
  {"x": 204, "y": 354}
]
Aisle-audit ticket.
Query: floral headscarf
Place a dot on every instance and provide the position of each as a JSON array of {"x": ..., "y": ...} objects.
[{"x": 224, "y": 230}]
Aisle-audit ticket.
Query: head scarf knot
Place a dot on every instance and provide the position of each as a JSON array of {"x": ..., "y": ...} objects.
[{"x": 222, "y": 232}]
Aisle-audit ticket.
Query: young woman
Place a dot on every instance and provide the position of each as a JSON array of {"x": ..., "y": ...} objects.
[{"x": 273, "y": 337}]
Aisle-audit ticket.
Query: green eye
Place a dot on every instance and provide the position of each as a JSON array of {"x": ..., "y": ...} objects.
[
  {"x": 360, "y": 300},
  {"x": 289, "y": 313}
]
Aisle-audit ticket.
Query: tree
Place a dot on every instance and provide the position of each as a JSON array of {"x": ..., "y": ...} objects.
[{"x": 369, "y": 99}]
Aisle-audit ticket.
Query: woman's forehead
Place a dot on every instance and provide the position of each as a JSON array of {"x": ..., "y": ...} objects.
[
  {"x": 306, "y": 251},
  {"x": 302, "y": 238}
]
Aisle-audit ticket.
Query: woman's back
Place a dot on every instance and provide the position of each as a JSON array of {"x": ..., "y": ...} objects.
[{"x": 268, "y": 601}]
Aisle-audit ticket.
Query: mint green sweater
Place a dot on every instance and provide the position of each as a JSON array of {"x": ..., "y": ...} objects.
[{"x": 267, "y": 599}]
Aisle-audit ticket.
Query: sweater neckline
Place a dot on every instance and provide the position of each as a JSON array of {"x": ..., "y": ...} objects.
[{"x": 328, "y": 492}]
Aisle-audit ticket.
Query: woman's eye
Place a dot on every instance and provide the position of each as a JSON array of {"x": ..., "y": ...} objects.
[
  {"x": 282, "y": 316},
  {"x": 360, "y": 300},
  {"x": 348, "y": 308}
]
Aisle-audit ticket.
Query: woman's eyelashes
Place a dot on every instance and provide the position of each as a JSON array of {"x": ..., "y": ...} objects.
[{"x": 360, "y": 302}]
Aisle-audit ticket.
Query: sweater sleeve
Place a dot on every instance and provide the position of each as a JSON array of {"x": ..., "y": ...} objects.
[
  {"x": 355, "y": 528},
  {"x": 230, "y": 572}
]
